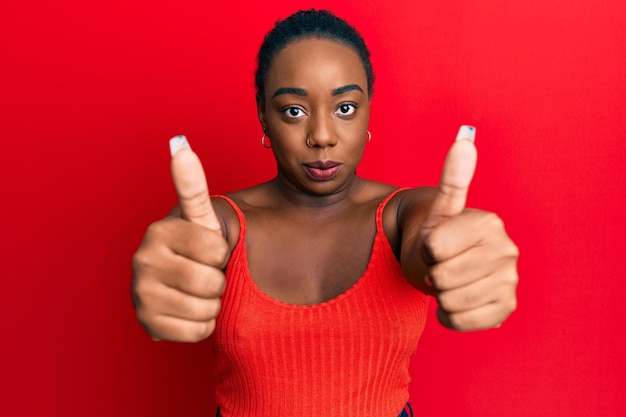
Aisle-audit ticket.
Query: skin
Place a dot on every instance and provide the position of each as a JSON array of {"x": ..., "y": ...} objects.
[{"x": 299, "y": 224}]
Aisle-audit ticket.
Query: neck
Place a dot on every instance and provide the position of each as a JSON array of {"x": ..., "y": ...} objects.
[{"x": 296, "y": 196}]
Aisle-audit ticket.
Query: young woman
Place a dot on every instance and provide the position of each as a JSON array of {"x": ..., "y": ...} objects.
[{"x": 314, "y": 286}]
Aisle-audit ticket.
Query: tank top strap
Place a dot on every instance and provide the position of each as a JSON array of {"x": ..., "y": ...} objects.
[
  {"x": 240, "y": 216},
  {"x": 381, "y": 207},
  {"x": 242, "y": 219}
]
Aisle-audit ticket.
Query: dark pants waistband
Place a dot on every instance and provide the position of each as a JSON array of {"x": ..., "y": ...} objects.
[{"x": 407, "y": 411}]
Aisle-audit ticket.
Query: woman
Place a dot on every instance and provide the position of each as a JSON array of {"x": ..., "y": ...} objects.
[{"x": 314, "y": 286}]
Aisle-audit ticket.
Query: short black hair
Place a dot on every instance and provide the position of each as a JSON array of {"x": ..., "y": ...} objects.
[{"x": 312, "y": 23}]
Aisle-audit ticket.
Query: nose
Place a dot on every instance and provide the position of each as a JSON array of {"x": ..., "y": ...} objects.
[{"x": 321, "y": 132}]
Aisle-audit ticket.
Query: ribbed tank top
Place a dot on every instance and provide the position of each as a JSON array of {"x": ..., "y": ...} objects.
[{"x": 347, "y": 356}]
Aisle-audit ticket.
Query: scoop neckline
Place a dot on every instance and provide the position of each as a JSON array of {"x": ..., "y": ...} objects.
[
  {"x": 249, "y": 280},
  {"x": 379, "y": 239}
]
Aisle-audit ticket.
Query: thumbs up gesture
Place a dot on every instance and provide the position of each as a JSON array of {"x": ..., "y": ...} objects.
[
  {"x": 178, "y": 269},
  {"x": 472, "y": 262}
]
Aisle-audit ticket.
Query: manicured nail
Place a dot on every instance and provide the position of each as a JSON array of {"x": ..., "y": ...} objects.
[
  {"x": 177, "y": 143},
  {"x": 466, "y": 132}
]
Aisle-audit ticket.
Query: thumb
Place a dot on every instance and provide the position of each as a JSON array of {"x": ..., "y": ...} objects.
[
  {"x": 456, "y": 177},
  {"x": 191, "y": 186}
]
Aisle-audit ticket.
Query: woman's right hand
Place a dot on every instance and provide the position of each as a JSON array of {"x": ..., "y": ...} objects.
[{"x": 178, "y": 269}]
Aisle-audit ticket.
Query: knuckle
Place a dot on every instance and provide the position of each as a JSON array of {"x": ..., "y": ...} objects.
[
  {"x": 191, "y": 333},
  {"x": 205, "y": 282},
  {"x": 470, "y": 321},
  {"x": 221, "y": 252},
  {"x": 218, "y": 284},
  {"x": 146, "y": 319},
  {"x": 209, "y": 328},
  {"x": 449, "y": 301},
  {"x": 201, "y": 280},
  {"x": 444, "y": 301},
  {"x": 199, "y": 331},
  {"x": 459, "y": 321},
  {"x": 493, "y": 221},
  {"x": 197, "y": 199},
  {"x": 141, "y": 291},
  {"x": 506, "y": 276},
  {"x": 440, "y": 277},
  {"x": 512, "y": 305},
  {"x": 505, "y": 308},
  {"x": 155, "y": 229},
  {"x": 433, "y": 247},
  {"x": 202, "y": 309},
  {"x": 215, "y": 307},
  {"x": 509, "y": 250},
  {"x": 512, "y": 278},
  {"x": 140, "y": 260}
]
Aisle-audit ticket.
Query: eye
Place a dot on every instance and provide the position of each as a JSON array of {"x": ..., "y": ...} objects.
[
  {"x": 346, "y": 109},
  {"x": 293, "y": 112}
]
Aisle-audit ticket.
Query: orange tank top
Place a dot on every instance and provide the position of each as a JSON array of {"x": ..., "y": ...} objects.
[{"x": 344, "y": 357}]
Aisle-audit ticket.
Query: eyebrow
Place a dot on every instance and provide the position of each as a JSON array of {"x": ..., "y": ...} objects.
[
  {"x": 302, "y": 92},
  {"x": 290, "y": 90},
  {"x": 346, "y": 88}
]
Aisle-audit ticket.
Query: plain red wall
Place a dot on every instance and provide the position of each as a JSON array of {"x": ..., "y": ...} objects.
[{"x": 91, "y": 91}]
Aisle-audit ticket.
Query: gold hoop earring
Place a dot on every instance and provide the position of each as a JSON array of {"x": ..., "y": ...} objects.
[
  {"x": 369, "y": 136},
  {"x": 263, "y": 141},
  {"x": 308, "y": 143}
]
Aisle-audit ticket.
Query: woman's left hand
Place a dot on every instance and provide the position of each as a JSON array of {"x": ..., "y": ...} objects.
[{"x": 472, "y": 262}]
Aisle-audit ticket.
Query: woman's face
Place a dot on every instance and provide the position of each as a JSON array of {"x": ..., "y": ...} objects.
[{"x": 316, "y": 90}]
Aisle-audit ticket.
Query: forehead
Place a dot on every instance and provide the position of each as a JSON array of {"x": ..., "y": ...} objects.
[{"x": 313, "y": 62}]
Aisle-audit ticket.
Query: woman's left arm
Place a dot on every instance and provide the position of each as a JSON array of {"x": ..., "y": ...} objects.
[{"x": 462, "y": 256}]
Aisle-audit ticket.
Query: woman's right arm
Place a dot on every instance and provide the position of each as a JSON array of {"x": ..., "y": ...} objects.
[{"x": 178, "y": 269}]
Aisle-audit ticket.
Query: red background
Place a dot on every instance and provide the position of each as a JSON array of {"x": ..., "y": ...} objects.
[{"x": 91, "y": 91}]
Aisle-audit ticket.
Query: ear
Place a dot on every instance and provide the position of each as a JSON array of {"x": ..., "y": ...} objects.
[{"x": 260, "y": 108}]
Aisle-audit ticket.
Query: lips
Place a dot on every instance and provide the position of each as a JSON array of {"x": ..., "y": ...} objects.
[{"x": 322, "y": 170}]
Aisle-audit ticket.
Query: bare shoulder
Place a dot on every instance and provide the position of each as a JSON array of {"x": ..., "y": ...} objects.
[
  {"x": 407, "y": 199},
  {"x": 413, "y": 200},
  {"x": 410, "y": 204},
  {"x": 227, "y": 214}
]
